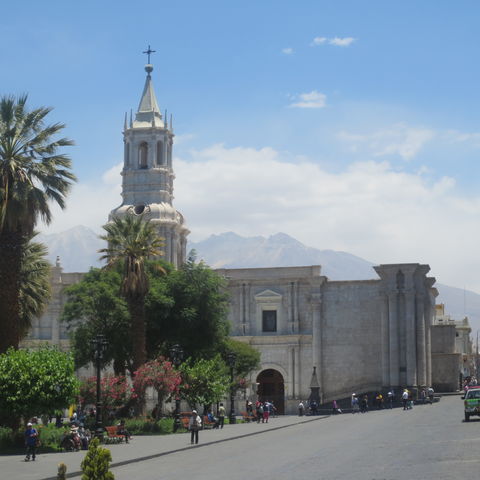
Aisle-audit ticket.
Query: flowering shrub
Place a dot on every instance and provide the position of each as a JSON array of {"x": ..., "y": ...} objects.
[
  {"x": 116, "y": 391},
  {"x": 159, "y": 374}
]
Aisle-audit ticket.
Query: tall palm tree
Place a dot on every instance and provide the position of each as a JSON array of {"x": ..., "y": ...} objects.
[
  {"x": 35, "y": 290},
  {"x": 131, "y": 241},
  {"x": 32, "y": 174}
]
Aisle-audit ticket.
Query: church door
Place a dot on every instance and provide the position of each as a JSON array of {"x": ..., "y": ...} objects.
[{"x": 270, "y": 387}]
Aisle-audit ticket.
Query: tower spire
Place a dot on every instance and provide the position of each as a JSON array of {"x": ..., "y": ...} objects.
[{"x": 148, "y": 113}]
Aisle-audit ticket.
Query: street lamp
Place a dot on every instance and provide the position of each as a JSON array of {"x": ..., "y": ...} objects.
[
  {"x": 231, "y": 359},
  {"x": 176, "y": 354},
  {"x": 99, "y": 346}
]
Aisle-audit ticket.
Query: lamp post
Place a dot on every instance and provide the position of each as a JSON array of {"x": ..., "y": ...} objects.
[
  {"x": 176, "y": 354},
  {"x": 231, "y": 359},
  {"x": 99, "y": 346}
]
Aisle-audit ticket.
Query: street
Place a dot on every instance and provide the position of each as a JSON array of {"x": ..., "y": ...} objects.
[{"x": 428, "y": 442}]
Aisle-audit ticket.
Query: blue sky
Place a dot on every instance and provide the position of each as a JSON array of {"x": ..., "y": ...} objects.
[{"x": 349, "y": 125}]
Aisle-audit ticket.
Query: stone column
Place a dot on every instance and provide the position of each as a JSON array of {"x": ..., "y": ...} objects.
[
  {"x": 385, "y": 341},
  {"x": 291, "y": 373},
  {"x": 421, "y": 342},
  {"x": 297, "y": 372},
  {"x": 410, "y": 334},
  {"x": 428, "y": 341},
  {"x": 316, "y": 304},
  {"x": 393, "y": 340}
]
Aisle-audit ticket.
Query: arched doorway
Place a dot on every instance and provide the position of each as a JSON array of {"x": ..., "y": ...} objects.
[{"x": 270, "y": 387}]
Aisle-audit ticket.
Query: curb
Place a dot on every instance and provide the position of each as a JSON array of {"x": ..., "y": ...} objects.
[{"x": 169, "y": 452}]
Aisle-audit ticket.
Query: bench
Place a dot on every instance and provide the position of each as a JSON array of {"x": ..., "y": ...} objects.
[
  {"x": 113, "y": 436},
  {"x": 184, "y": 422},
  {"x": 247, "y": 417},
  {"x": 207, "y": 423}
]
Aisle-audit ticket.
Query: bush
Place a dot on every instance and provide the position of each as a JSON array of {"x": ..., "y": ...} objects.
[
  {"x": 139, "y": 426},
  {"x": 8, "y": 441},
  {"x": 50, "y": 437},
  {"x": 96, "y": 464}
]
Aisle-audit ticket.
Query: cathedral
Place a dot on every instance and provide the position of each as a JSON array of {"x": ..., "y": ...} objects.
[{"x": 315, "y": 336}]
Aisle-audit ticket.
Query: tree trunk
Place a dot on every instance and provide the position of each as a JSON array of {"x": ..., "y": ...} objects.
[
  {"x": 136, "y": 307},
  {"x": 11, "y": 245}
]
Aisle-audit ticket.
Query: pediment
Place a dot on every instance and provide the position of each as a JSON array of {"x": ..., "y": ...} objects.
[{"x": 268, "y": 294}]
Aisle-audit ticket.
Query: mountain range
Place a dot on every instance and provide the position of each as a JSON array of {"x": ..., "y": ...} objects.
[{"x": 78, "y": 251}]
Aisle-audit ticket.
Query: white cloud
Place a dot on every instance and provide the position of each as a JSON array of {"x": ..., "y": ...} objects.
[
  {"x": 312, "y": 99},
  {"x": 336, "y": 41},
  {"x": 318, "y": 41},
  {"x": 368, "y": 208},
  {"x": 341, "y": 42},
  {"x": 288, "y": 51},
  {"x": 399, "y": 139}
]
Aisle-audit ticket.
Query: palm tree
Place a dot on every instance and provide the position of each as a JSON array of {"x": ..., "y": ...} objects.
[
  {"x": 131, "y": 241},
  {"x": 35, "y": 291},
  {"x": 32, "y": 174}
]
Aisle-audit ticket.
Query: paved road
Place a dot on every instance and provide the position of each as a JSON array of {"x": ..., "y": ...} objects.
[{"x": 428, "y": 442}]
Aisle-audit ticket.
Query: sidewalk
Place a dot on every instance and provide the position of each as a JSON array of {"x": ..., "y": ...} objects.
[{"x": 139, "y": 449}]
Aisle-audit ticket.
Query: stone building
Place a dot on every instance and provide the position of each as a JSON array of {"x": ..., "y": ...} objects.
[
  {"x": 360, "y": 336},
  {"x": 453, "y": 358}
]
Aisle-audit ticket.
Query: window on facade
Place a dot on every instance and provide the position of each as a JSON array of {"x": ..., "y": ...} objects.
[
  {"x": 143, "y": 155},
  {"x": 160, "y": 160},
  {"x": 269, "y": 321}
]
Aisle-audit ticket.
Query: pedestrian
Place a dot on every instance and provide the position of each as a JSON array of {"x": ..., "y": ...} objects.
[
  {"x": 334, "y": 407},
  {"x": 313, "y": 407},
  {"x": 390, "y": 396},
  {"x": 194, "y": 425},
  {"x": 423, "y": 396},
  {"x": 430, "y": 395},
  {"x": 266, "y": 412},
  {"x": 364, "y": 404},
  {"x": 31, "y": 439},
  {"x": 405, "y": 399},
  {"x": 259, "y": 410},
  {"x": 301, "y": 409},
  {"x": 121, "y": 430},
  {"x": 221, "y": 415}
]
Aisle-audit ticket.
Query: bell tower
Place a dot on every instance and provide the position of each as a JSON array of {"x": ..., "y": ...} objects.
[{"x": 147, "y": 175}]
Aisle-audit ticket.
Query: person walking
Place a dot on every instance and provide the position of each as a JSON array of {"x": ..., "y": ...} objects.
[
  {"x": 364, "y": 404},
  {"x": 31, "y": 437},
  {"x": 390, "y": 396},
  {"x": 194, "y": 425},
  {"x": 221, "y": 415},
  {"x": 405, "y": 399},
  {"x": 301, "y": 409}
]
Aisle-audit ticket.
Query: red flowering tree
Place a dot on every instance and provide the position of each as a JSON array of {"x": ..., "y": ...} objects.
[
  {"x": 159, "y": 374},
  {"x": 116, "y": 391}
]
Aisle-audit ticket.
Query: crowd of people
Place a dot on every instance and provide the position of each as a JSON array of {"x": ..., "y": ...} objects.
[{"x": 363, "y": 403}]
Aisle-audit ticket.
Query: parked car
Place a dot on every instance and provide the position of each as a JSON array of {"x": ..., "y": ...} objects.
[{"x": 471, "y": 401}]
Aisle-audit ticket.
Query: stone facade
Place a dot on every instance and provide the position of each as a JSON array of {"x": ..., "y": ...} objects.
[
  {"x": 359, "y": 335},
  {"x": 452, "y": 352}
]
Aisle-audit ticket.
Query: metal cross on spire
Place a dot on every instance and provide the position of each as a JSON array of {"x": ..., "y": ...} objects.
[{"x": 148, "y": 52}]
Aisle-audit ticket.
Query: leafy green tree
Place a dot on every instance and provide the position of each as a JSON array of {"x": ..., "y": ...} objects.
[
  {"x": 204, "y": 381},
  {"x": 189, "y": 308},
  {"x": 35, "y": 291},
  {"x": 32, "y": 173},
  {"x": 35, "y": 382},
  {"x": 94, "y": 306},
  {"x": 131, "y": 241},
  {"x": 247, "y": 358},
  {"x": 96, "y": 464}
]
